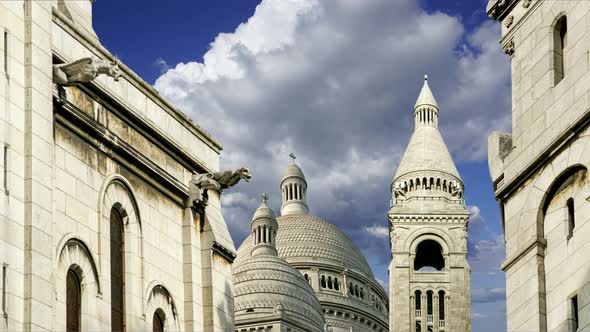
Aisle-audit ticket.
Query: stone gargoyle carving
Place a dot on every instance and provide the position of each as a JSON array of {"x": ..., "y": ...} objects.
[
  {"x": 84, "y": 70},
  {"x": 218, "y": 181}
]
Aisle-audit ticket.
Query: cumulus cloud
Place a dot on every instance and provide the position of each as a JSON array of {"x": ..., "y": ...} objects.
[
  {"x": 335, "y": 82},
  {"x": 478, "y": 316},
  {"x": 378, "y": 231},
  {"x": 479, "y": 295}
]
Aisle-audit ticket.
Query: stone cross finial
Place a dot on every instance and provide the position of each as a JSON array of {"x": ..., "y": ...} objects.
[
  {"x": 292, "y": 155},
  {"x": 426, "y": 77},
  {"x": 264, "y": 198}
]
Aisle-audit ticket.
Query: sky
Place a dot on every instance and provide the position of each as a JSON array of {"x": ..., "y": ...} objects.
[{"x": 333, "y": 81}]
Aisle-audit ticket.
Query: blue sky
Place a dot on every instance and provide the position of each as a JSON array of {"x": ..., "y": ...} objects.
[{"x": 333, "y": 81}]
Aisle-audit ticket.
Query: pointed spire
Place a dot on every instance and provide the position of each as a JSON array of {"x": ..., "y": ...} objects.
[
  {"x": 264, "y": 228},
  {"x": 426, "y": 97}
]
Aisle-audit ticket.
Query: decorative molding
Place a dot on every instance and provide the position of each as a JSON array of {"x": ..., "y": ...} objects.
[
  {"x": 538, "y": 243},
  {"x": 75, "y": 120},
  {"x": 509, "y": 48},
  {"x": 94, "y": 46},
  {"x": 497, "y": 10},
  {"x": 224, "y": 252},
  {"x": 509, "y": 21}
]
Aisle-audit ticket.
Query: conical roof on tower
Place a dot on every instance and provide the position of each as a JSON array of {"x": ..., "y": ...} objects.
[
  {"x": 426, "y": 150},
  {"x": 426, "y": 97}
]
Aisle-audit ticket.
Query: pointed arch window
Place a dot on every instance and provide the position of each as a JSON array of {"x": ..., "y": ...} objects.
[
  {"x": 560, "y": 36},
  {"x": 117, "y": 272},
  {"x": 73, "y": 301}
]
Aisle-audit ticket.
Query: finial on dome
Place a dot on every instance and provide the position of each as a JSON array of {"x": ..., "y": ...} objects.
[
  {"x": 292, "y": 155},
  {"x": 426, "y": 77},
  {"x": 264, "y": 198}
]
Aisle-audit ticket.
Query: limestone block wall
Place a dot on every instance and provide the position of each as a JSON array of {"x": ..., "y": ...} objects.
[
  {"x": 546, "y": 164},
  {"x": 12, "y": 157},
  {"x": 65, "y": 164}
]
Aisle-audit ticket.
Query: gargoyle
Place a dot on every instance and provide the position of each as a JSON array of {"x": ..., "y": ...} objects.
[
  {"x": 218, "y": 181},
  {"x": 84, "y": 70},
  {"x": 457, "y": 193}
]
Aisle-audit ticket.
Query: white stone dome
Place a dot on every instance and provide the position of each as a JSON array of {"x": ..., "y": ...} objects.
[
  {"x": 293, "y": 170},
  {"x": 304, "y": 238},
  {"x": 267, "y": 286}
]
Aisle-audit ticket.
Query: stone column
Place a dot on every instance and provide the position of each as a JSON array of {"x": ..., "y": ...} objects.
[
  {"x": 315, "y": 281},
  {"x": 38, "y": 142},
  {"x": 412, "y": 313},
  {"x": 192, "y": 277},
  {"x": 447, "y": 312},
  {"x": 424, "y": 308},
  {"x": 435, "y": 312}
]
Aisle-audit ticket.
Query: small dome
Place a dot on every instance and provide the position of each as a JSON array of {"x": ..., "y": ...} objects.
[
  {"x": 267, "y": 285},
  {"x": 293, "y": 170},
  {"x": 264, "y": 211}
]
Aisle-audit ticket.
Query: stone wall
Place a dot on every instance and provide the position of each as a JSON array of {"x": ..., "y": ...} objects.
[
  {"x": 545, "y": 166},
  {"x": 108, "y": 145}
]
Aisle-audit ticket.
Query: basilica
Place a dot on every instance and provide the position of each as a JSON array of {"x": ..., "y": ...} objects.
[{"x": 111, "y": 215}]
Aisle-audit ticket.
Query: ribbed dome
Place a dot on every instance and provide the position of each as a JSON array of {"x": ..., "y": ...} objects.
[
  {"x": 268, "y": 285},
  {"x": 305, "y": 238},
  {"x": 293, "y": 170},
  {"x": 427, "y": 151}
]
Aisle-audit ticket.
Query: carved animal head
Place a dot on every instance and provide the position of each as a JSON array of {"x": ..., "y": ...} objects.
[
  {"x": 244, "y": 173},
  {"x": 114, "y": 71}
]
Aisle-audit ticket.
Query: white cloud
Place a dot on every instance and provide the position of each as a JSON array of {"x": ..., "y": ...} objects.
[
  {"x": 477, "y": 316},
  {"x": 488, "y": 294},
  {"x": 378, "y": 231},
  {"x": 335, "y": 81}
]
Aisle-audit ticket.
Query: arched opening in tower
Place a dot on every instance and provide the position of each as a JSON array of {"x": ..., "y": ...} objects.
[{"x": 429, "y": 256}]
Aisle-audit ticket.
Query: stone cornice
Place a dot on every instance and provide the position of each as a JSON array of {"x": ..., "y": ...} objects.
[
  {"x": 539, "y": 244},
  {"x": 149, "y": 91},
  {"x": 100, "y": 138},
  {"x": 224, "y": 252},
  {"x": 508, "y": 186},
  {"x": 498, "y": 9},
  {"x": 420, "y": 219}
]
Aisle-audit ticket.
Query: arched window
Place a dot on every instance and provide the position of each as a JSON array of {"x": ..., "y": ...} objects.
[
  {"x": 117, "y": 272},
  {"x": 429, "y": 256},
  {"x": 73, "y": 301},
  {"x": 571, "y": 218},
  {"x": 362, "y": 294},
  {"x": 336, "y": 284},
  {"x": 330, "y": 282},
  {"x": 351, "y": 289},
  {"x": 323, "y": 282},
  {"x": 560, "y": 49},
  {"x": 158, "y": 321},
  {"x": 356, "y": 290}
]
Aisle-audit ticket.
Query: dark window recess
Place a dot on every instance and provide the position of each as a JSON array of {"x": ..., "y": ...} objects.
[
  {"x": 73, "y": 302},
  {"x": 117, "y": 273}
]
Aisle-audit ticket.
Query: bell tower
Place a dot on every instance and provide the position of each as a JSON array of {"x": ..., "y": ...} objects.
[{"x": 429, "y": 277}]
